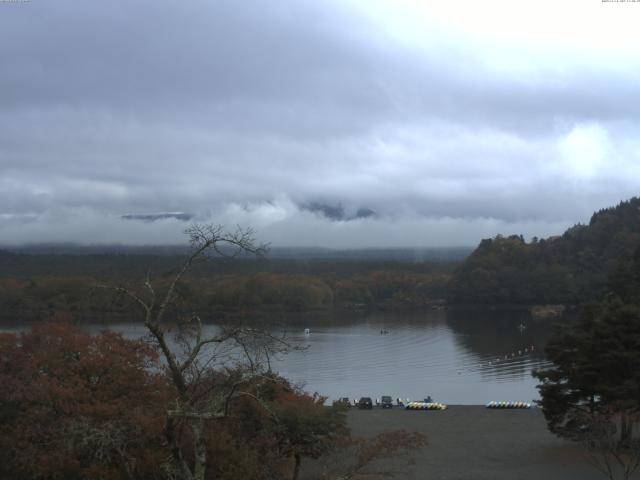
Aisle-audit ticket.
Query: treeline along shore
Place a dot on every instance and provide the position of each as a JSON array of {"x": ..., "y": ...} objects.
[
  {"x": 568, "y": 269},
  {"x": 33, "y": 287}
]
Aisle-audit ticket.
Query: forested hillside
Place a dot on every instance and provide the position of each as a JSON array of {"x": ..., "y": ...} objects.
[
  {"x": 38, "y": 287},
  {"x": 567, "y": 269}
]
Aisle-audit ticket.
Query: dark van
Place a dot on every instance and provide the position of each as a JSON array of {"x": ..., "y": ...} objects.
[{"x": 365, "y": 403}]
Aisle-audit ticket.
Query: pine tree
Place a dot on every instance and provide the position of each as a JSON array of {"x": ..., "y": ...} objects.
[{"x": 596, "y": 363}]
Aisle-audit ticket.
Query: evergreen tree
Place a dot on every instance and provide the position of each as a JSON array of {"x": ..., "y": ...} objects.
[
  {"x": 596, "y": 363},
  {"x": 596, "y": 371}
]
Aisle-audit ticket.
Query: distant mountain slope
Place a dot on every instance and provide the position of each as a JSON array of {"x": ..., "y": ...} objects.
[{"x": 571, "y": 268}]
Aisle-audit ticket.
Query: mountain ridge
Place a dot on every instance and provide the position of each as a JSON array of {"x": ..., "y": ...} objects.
[{"x": 567, "y": 269}]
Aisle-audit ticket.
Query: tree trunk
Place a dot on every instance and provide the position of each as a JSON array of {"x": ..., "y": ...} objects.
[
  {"x": 625, "y": 430},
  {"x": 200, "y": 447},
  {"x": 176, "y": 452},
  {"x": 296, "y": 468}
]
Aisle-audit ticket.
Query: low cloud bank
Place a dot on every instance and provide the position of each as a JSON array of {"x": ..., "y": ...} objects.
[{"x": 280, "y": 223}]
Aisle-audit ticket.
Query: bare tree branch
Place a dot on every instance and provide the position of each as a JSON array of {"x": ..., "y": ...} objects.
[{"x": 201, "y": 397}]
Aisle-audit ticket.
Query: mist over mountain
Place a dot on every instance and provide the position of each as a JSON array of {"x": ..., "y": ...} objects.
[
  {"x": 152, "y": 217},
  {"x": 338, "y": 212}
]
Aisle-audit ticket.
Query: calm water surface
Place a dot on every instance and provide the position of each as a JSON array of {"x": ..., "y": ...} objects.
[
  {"x": 455, "y": 356},
  {"x": 464, "y": 357}
]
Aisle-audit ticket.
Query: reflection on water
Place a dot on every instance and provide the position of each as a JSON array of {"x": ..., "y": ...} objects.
[{"x": 456, "y": 356}]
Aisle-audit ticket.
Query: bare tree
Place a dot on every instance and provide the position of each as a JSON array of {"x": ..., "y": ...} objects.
[
  {"x": 609, "y": 448},
  {"x": 191, "y": 355},
  {"x": 106, "y": 442}
]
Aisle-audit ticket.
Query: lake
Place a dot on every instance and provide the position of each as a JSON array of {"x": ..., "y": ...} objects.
[
  {"x": 457, "y": 356},
  {"x": 454, "y": 356}
]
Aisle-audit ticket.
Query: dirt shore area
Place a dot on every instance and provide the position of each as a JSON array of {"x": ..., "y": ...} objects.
[{"x": 475, "y": 443}]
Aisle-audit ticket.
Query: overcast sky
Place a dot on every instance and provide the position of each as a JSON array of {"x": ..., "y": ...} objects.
[{"x": 452, "y": 121}]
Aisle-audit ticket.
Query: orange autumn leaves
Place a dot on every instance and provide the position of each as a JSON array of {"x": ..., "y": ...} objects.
[
  {"x": 78, "y": 406},
  {"x": 73, "y": 405}
]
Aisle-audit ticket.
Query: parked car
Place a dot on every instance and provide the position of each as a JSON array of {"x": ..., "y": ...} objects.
[
  {"x": 386, "y": 401},
  {"x": 345, "y": 401},
  {"x": 365, "y": 403}
]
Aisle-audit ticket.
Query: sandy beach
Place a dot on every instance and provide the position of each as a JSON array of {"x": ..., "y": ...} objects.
[{"x": 472, "y": 442}]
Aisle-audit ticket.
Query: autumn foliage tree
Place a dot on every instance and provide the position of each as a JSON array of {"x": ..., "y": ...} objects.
[
  {"x": 79, "y": 406},
  {"x": 305, "y": 427},
  {"x": 75, "y": 405}
]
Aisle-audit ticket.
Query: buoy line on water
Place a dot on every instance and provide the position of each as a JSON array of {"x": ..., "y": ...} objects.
[{"x": 514, "y": 354}]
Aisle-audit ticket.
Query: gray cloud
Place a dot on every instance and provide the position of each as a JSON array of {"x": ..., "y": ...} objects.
[{"x": 248, "y": 112}]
